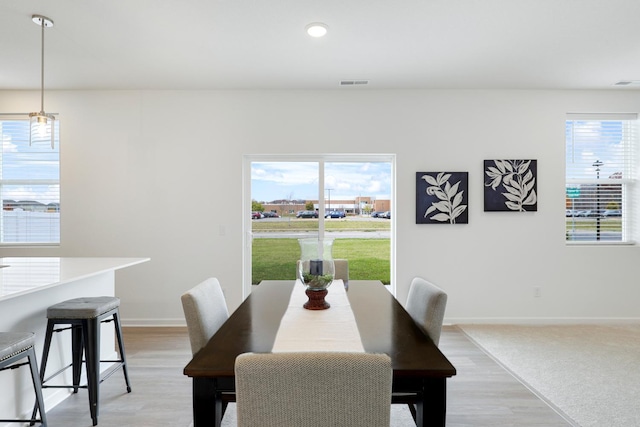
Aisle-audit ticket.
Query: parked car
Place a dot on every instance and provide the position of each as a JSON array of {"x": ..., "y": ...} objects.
[
  {"x": 256, "y": 215},
  {"x": 610, "y": 213},
  {"x": 335, "y": 214},
  {"x": 307, "y": 214},
  {"x": 270, "y": 215},
  {"x": 376, "y": 214},
  {"x": 386, "y": 215}
]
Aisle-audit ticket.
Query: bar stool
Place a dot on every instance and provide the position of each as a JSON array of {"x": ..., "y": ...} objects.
[
  {"x": 15, "y": 346},
  {"x": 85, "y": 316}
]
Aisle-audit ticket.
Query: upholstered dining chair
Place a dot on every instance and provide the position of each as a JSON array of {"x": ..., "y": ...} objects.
[
  {"x": 341, "y": 270},
  {"x": 205, "y": 310},
  {"x": 313, "y": 389},
  {"x": 426, "y": 304}
]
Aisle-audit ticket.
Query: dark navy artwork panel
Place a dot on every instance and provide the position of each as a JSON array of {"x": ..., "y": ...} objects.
[
  {"x": 442, "y": 197},
  {"x": 510, "y": 185}
]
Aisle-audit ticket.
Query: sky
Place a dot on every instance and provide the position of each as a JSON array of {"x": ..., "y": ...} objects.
[
  {"x": 299, "y": 180},
  {"x": 19, "y": 161},
  {"x": 592, "y": 141}
]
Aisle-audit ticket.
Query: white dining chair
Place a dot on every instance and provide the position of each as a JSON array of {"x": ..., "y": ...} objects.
[
  {"x": 341, "y": 270},
  {"x": 426, "y": 304},
  {"x": 205, "y": 310},
  {"x": 313, "y": 389}
]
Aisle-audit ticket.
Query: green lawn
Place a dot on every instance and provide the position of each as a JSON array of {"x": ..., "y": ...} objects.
[
  {"x": 590, "y": 224},
  {"x": 275, "y": 259}
]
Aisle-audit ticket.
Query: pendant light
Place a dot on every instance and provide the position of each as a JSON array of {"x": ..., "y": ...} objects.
[{"x": 41, "y": 122}]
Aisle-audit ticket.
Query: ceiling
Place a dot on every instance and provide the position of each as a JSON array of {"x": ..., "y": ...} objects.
[{"x": 259, "y": 44}]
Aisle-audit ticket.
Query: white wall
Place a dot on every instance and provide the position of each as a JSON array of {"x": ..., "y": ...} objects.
[{"x": 157, "y": 173}]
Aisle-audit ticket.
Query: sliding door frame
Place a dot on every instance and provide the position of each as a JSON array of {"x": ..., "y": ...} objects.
[{"x": 321, "y": 159}]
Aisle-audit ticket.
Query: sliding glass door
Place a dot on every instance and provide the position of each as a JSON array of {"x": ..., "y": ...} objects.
[{"x": 345, "y": 198}]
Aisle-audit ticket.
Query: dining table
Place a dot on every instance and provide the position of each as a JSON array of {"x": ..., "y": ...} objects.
[{"x": 363, "y": 316}]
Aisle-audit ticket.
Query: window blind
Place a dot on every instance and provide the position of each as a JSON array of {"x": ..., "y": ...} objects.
[
  {"x": 600, "y": 173},
  {"x": 29, "y": 185}
]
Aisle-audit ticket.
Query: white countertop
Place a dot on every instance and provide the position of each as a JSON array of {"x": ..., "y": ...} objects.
[{"x": 24, "y": 275}]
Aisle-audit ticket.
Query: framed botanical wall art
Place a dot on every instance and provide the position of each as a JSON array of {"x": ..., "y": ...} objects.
[
  {"x": 511, "y": 185},
  {"x": 442, "y": 197}
]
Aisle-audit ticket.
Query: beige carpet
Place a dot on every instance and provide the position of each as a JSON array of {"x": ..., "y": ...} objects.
[{"x": 591, "y": 373}]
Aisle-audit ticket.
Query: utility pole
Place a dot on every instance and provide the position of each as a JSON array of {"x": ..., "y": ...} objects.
[
  {"x": 329, "y": 200},
  {"x": 597, "y": 165}
]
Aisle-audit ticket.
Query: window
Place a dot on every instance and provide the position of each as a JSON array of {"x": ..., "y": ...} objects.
[
  {"x": 600, "y": 177},
  {"x": 29, "y": 185}
]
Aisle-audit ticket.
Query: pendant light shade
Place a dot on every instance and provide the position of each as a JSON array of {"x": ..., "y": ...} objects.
[{"x": 41, "y": 124}]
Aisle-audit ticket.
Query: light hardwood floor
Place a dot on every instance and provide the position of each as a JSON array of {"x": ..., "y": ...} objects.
[{"x": 482, "y": 394}]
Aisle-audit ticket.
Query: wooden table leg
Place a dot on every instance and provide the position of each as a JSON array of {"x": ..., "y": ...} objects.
[
  {"x": 207, "y": 410},
  {"x": 432, "y": 411}
]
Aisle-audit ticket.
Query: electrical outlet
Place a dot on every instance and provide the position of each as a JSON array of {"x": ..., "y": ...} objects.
[{"x": 537, "y": 291}]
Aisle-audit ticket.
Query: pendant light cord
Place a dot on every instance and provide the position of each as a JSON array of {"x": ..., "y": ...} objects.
[{"x": 42, "y": 24}]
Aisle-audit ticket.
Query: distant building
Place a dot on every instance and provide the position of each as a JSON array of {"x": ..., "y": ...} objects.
[
  {"x": 29, "y": 206},
  {"x": 356, "y": 206}
]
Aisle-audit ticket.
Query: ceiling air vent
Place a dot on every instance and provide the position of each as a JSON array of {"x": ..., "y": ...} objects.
[
  {"x": 354, "y": 82},
  {"x": 627, "y": 83}
]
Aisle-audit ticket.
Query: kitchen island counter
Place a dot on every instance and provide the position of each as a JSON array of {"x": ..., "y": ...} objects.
[
  {"x": 28, "y": 286},
  {"x": 23, "y": 275}
]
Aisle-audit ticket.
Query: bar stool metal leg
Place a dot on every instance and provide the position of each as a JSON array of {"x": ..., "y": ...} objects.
[
  {"x": 45, "y": 351},
  {"x": 123, "y": 357},
  {"x": 37, "y": 387},
  {"x": 77, "y": 347},
  {"x": 91, "y": 336},
  {"x": 14, "y": 347}
]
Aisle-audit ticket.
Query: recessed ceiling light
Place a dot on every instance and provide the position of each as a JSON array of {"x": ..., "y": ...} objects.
[{"x": 317, "y": 29}]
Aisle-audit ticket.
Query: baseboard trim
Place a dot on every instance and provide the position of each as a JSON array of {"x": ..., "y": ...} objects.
[
  {"x": 540, "y": 320},
  {"x": 180, "y": 322},
  {"x": 153, "y": 322}
]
